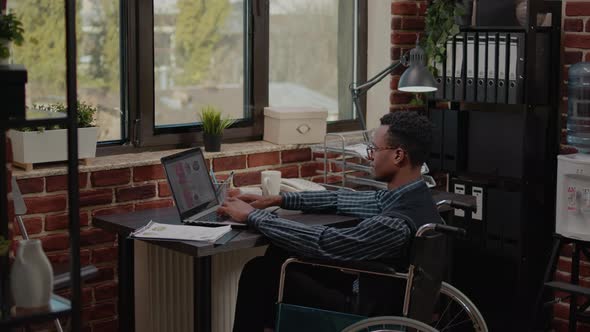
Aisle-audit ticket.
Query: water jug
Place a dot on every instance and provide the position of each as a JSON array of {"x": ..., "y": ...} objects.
[{"x": 578, "y": 112}]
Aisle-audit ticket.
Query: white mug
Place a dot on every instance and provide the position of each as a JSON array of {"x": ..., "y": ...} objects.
[{"x": 271, "y": 182}]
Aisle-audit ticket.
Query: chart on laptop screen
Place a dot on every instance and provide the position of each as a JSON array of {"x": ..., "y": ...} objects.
[{"x": 189, "y": 180}]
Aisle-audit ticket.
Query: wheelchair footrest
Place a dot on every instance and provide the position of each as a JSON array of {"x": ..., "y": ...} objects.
[{"x": 568, "y": 288}]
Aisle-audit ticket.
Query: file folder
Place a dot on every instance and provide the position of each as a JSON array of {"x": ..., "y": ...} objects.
[
  {"x": 470, "y": 84},
  {"x": 516, "y": 69},
  {"x": 482, "y": 41},
  {"x": 439, "y": 80},
  {"x": 459, "y": 68},
  {"x": 502, "y": 87},
  {"x": 449, "y": 68},
  {"x": 492, "y": 56}
]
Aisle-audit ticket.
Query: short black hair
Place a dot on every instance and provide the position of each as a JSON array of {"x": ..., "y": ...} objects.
[{"x": 411, "y": 131}]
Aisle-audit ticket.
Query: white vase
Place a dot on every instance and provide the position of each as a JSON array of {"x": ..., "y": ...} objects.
[
  {"x": 31, "y": 276},
  {"x": 5, "y": 43}
]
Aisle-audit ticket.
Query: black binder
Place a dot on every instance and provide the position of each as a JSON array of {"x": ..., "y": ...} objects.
[
  {"x": 454, "y": 138},
  {"x": 436, "y": 148},
  {"x": 502, "y": 85},
  {"x": 492, "y": 73},
  {"x": 459, "y": 71},
  {"x": 470, "y": 78},
  {"x": 482, "y": 51},
  {"x": 516, "y": 68},
  {"x": 439, "y": 81},
  {"x": 449, "y": 70}
]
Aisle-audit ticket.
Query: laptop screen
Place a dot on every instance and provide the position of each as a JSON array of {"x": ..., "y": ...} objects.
[{"x": 189, "y": 181}]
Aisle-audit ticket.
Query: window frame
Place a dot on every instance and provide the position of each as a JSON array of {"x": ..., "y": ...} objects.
[{"x": 137, "y": 66}]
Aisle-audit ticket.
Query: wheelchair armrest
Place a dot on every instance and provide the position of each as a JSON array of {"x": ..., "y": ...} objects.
[{"x": 370, "y": 267}]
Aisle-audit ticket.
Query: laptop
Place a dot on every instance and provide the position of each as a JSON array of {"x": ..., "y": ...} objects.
[{"x": 193, "y": 190}]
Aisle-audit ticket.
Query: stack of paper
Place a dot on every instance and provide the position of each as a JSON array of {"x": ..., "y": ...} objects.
[{"x": 157, "y": 231}]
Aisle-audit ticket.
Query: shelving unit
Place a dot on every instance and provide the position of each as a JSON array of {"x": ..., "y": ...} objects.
[
  {"x": 15, "y": 118},
  {"x": 507, "y": 152}
]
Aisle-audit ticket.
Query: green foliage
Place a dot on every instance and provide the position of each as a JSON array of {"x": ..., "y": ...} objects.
[
  {"x": 417, "y": 100},
  {"x": 212, "y": 121},
  {"x": 197, "y": 34},
  {"x": 44, "y": 56},
  {"x": 4, "y": 246},
  {"x": 103, "y": 48},
  {"x": 85, "y": 114},
  {"x": 11, "y": 29},
  {"x": 440, "y": 27}
]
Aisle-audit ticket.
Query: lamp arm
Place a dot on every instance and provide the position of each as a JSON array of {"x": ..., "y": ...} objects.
[
  {"x": 357, "y": 91},
  {"x": 363, "y": 88}
]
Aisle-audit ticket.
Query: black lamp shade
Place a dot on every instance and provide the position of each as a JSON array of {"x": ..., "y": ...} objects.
[{"x": 417, "y": 78}]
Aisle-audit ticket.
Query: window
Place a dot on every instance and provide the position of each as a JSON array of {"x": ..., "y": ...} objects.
[
  {"x": 311, "y": 46},
  {"x": 149, "y": 66},
  {"x": 99, "y": 69},
  {"x": 198, "y": 60}
]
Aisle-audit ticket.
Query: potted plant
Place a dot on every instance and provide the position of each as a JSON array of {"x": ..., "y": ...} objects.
[
  {"x": 213, "y": 126},
  {"x": 49, "y": 144},
  {"x": 441, "y": 25},
  {"x": 11, "y": 31}
]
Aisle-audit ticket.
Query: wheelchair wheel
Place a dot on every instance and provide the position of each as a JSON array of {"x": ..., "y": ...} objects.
[
  {"x": 389, "y": 324},
  {"x": 455, "y": 312}
]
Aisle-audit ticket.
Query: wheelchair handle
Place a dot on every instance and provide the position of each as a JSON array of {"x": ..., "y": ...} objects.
[
  {"x": 446, "y": 229},
  {"x": 441, "y": 228},
  {"x": 458, "y": 205}
]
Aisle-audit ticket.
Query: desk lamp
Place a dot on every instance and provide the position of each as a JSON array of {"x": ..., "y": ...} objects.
[{"x": 417, "y": 78}]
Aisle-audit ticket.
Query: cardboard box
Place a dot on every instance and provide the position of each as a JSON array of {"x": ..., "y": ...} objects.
[{"x": 296, "y": 125}]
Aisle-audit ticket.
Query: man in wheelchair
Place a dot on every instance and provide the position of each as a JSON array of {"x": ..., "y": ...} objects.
[{"x": 390, "y": 218}]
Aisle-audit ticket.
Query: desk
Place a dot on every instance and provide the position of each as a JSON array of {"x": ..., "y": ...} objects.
[{"x": 123, "y": 224}]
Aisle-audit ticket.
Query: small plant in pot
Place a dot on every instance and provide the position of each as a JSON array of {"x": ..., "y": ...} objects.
[
  {"x": 213, "y": 126},
  {"x": 11, "y": 31},
  {"x": 49, "y": 143}
]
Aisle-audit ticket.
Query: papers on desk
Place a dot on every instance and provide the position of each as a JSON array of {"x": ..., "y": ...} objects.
[{"x": 157, "y": 231}]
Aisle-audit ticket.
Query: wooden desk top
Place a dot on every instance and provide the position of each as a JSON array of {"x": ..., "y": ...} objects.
[{"x": 123, "y": 224}]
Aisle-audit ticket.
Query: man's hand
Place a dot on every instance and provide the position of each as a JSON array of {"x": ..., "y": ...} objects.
[
  {"x": 237, "y": 209},
  {"x": 257, "y": 201}
]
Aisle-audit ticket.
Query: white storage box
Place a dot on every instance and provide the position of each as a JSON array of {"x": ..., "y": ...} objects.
[{"x": 297, "y": 125}]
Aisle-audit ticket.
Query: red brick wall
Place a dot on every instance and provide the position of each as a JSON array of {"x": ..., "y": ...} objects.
[
  {"x": 126, "y": 190},
  {"x": 407, "y": 23}
]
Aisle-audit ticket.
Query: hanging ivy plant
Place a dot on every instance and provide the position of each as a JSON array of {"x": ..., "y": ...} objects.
[
  {"x": 4, "y": 246},
  {"x": 440, "y": 27}
]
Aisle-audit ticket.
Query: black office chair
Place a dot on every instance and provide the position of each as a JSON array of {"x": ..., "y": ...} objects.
[
  {"x": 61, "y": 274},
  {"x": 429, "y": 304}
]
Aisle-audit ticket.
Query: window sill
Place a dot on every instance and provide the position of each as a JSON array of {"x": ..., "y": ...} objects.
[{"x": 152, "y": 158}]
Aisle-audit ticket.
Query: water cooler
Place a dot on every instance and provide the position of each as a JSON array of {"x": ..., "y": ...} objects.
[
  {"x": 573, "y": 196},
  {"x": 572, "y": 209},
  {"x": 572, "y": 199}
]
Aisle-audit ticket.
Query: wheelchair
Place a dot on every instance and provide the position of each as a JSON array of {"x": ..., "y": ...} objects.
[{"x": 429, "y": 303}]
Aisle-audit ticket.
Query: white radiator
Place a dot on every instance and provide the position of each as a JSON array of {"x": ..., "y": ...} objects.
[{"x": 164, "y": 288}]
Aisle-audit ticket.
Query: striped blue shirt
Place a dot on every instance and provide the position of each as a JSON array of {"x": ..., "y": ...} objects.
[{"x": 376, "y": 236}]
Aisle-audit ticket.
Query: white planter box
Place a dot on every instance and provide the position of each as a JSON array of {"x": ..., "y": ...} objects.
[
  {"x": 302, "y": 125},
  {"x": 31, "y": 147}
]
